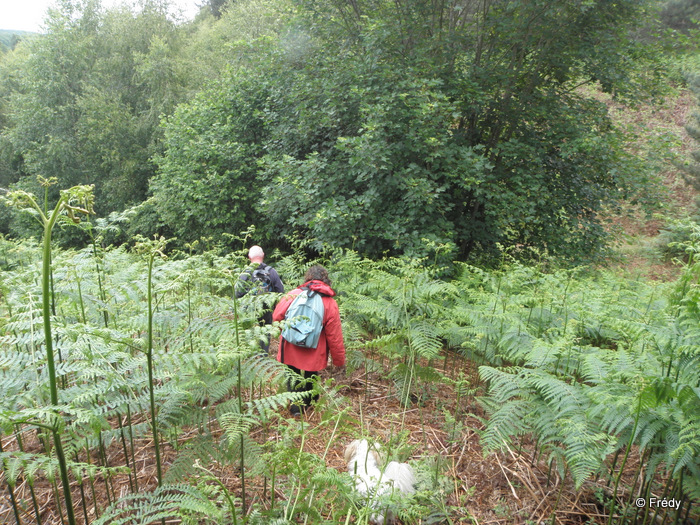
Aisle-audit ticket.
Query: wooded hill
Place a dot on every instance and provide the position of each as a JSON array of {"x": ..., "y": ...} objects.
[
  {"x": 480, "y": 121},
  {"x": 9, "y": 38}
]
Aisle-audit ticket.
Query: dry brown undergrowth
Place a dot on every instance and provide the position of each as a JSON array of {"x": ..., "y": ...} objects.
[{"x": 500, "y": 488}]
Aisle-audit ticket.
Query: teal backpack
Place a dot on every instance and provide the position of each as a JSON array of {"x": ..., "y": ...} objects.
[{"x": 305, "y": 319}]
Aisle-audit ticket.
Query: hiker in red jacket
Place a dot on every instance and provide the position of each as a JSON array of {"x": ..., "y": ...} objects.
[{"x": 307, "y": 362}]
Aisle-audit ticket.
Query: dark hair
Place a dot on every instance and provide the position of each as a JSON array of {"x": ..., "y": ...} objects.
[{"x": 317, "y": 273}]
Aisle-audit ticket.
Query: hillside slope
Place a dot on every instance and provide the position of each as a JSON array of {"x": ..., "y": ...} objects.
[{"x": 642, "y": 234}]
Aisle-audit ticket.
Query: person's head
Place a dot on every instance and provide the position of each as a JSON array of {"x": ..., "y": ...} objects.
[
  {"x": 256, "y": 254},
  {"x": 317, "y": 273}
]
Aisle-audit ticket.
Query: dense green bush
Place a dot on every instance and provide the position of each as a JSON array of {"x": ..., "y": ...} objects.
[
  {"x": 377, "y": 126},
  {"x": 382, "y": 126}
]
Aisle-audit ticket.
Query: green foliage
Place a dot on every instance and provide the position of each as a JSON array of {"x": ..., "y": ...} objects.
[
  {"x": 83, "y": 101},
  {"x": 682, "y": 15},
  {"x": 691, "y": 168},
  {"x": 607, "y": 367},
  {"x": 588, "y": 366},
  {"x": 378, "y": 127},
  {"x": 471, "y": 123},
  {"x": 73, "y": 202},
  {"x": 104, "y": 372},
  {"x": 676, "y": 236},
  {"x": 188, "y": 503},
  {"x": 386, "y": 145},
  {"x": 681, "y": 233},
  {"x": 207, "y": 179},
  {"x": 399, "y": 311},
  {"x": 10, "y": 38}
]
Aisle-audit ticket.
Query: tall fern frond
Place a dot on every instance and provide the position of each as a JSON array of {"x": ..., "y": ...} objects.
[
  {"x": 425, "y": 339},
  {"x": 166, "y": 502}
]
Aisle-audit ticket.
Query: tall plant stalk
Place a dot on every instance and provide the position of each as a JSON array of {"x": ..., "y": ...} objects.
[
  {"x": 624, "y": 459},
  {"x": 98, "y": 272},
  {"x": 30, "y": 478},
  {"x": 151, "y": 249},
  {"x": 11, "y": 491},
  {"x": 149, "y": 357},
  {"x": 240, "y": 392},
  {"x": 76, "y": 200}
]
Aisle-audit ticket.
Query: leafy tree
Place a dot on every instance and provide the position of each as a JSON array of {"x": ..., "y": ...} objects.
[
  {"x": 216, "y": 7},
  {"x": 87, "y": 98},
  {"x": 215, "y": 46},
  {"x": 682, "y": 15},
  {"x": 10, "y": 39},
  {"x": 389, "y": 122},
  {"x": 207, "y": 179}
]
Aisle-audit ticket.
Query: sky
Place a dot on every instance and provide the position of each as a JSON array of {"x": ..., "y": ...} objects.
[{"x": 29, "y": 15}]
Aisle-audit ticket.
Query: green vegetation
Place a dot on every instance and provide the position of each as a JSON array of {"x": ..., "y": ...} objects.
[
  {"x": 584, "y": 372},
  {"x": 455, "y": 165},
  {"x": 10, "y": 39},
  {"x": 481, "y": 122},
  {"x": 472, "y": 123},
  {"x": 77, "y": 200}
]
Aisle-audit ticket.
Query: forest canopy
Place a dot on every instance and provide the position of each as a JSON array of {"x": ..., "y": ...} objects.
[{"x": 386, "y": 127}]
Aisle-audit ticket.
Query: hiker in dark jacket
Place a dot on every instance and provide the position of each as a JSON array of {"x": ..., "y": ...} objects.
[
  {"x": 307, "y": 362},
  {"x": 261, "y": 279}
]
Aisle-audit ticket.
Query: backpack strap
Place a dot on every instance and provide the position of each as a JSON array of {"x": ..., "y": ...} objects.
[{"x": 282, "y": 339}]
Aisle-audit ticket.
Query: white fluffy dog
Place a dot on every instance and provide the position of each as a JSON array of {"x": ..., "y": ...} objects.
[{"x": 371, "y": 480}]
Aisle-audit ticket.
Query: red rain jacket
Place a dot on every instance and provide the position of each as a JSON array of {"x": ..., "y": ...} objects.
[{"x": 330, "y": 341}]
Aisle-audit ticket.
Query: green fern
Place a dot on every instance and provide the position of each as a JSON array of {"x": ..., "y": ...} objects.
[
  {"x": 188, "y": 503},
  {"x": 566, "y": 358}
]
